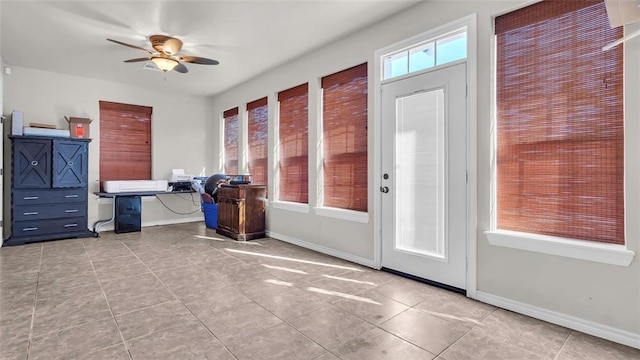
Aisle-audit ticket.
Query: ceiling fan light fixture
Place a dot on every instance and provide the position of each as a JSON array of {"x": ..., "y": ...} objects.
[
  {"x": 172, "y": 46},
  {"x": 164, "y": 64}
]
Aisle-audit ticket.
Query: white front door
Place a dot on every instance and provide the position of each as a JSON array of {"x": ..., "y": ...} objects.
[{"x": 424, "y": 179}]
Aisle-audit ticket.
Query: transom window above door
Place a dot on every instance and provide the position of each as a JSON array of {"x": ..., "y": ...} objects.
[{"x": 434, "y": 52}]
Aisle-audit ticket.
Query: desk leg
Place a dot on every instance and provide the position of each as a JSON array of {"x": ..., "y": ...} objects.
[{"x": 99, "y": 224}]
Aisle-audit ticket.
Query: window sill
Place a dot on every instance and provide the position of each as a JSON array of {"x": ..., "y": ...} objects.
[
  {"x": 290, "y": 206},
  {"x": 342, "y": 214},
  {"x": 576, "y": 249}
]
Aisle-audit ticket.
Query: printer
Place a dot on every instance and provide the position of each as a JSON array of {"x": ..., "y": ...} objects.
[
  {"x": 178, "y": 175},
  {"x": 179, "y": 181}
]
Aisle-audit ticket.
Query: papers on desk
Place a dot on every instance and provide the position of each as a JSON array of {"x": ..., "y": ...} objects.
[{"x": 116, "y": 186}]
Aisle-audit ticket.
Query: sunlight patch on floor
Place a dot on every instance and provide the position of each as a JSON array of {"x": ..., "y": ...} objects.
[
  {"x": 343, "y": 295},
  {"x": 278, "y": 282},
  {"x": 292, "y": 259},
  {"x": 285, "y": 269},
  {"x": 449, "y": 316},
  {"x": 349, "y": 280},
  {"x": 223, "y": 240}
]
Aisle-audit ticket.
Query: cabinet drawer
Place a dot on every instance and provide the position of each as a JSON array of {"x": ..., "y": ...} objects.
[
  {"x": 40, "y": 227},
  {"x": 50, "y": 211},
  {"x": 128, "y": 205},
  {"x": 53, "y": 196},
  {"x": 229, "y": 192},
  {"x": 127, "y": 223}
]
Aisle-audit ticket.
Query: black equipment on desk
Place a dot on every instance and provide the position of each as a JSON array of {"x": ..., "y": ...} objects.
[
  {"x": 239, "y": 179},
  {"x": 181, "y": 186}
]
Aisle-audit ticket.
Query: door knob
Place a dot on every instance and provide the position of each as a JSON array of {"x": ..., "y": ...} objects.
[{"x": 384, "y": 189}]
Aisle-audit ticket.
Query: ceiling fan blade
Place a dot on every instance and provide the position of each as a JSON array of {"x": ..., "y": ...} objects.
[
  {"x": 131, "y": 46},
  {"x": 181, "y": 68},
  {"x": 137, "y": 60},
  {"x": 197, "y": 60}
]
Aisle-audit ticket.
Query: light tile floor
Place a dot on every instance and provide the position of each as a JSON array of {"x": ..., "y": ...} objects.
[{"x": 183, "y": 292}]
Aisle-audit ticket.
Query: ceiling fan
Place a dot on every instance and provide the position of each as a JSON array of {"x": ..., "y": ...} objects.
[{"x": 166, "y": 56}]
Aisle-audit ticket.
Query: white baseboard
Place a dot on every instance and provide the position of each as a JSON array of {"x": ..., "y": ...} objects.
[
  {"x": 571, "y": 322},
  {"x": 111, "y": 226},
  {"x": 172, "y": 221},
  {"x": 325, "y": 250}
]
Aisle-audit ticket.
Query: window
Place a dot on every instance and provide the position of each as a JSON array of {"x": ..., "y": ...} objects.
[
  {"x": 442, "y": 50},
  {"x": 344, "y": 139},
  {"x": 560, "y": 122},
  {"x": 293, "y": 164},
  {"x": 258, "y": 133},
  {"x": 125, "y": 141},
  {"x": 231, "y": 141}
]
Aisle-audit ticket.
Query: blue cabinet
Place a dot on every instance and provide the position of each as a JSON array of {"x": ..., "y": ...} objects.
[
  {"x": 69, "y": 164},
  {"x": 49, "y": 189},
  {"x": 31, "y": 168}
]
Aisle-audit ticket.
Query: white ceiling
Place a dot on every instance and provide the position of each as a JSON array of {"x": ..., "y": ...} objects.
[{"x": 247, "y": 37}]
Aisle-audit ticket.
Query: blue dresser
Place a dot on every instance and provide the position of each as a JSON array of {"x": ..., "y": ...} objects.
[{"x": 48, "y": 189}]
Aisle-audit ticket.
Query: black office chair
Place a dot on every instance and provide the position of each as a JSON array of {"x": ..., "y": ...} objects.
[{"x": 212, "y": 185}]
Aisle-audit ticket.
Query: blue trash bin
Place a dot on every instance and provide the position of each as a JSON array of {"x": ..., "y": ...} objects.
[{"x": 210, "y": 215}]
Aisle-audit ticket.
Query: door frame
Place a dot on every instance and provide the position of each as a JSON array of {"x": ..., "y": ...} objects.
[{"x": 470, "y": 22}]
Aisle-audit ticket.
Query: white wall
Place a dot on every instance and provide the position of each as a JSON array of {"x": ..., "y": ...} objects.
[
  {"x": 179, "y": 125},
  {"x": 605, "y": 297}
]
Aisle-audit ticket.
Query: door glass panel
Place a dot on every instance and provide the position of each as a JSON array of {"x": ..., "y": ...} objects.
[
  {"x": 422, "y": 57},
  {"x": 420, "y": 169},
  {"x": 451, "y": 49},
  {"x": 395, "y": 65}
]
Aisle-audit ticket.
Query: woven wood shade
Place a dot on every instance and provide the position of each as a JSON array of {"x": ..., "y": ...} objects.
[
  {"x": 231, "y": 141},
  {"x": 258, "y": 133},
  {"x": 560, "y": 122},
  {"x": 344, "y": 125},
  {"x": 294, "y": 139},
  {"x": 125, "y": 141}
]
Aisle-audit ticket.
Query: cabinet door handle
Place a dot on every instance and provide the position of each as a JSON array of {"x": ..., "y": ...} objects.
[
  {"x": 71, "y": 196},
  {"x": 34, "y": 163},
  {"x": 70, "y": 163},
  {"x": 71, "y": 211},
  {"x": 70, "y": 225},
  {"x": 30, "y": 198},
  {"x": 30, "y": 213},
  {"x": 30, "y": 229}
]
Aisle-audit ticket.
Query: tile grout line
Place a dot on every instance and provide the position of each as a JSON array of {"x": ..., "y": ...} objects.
[
  {"x": 283, "y": 321},
  {"x": 35, "y": 302},
  {"x": 177, "y": 299},
  {"x": 288, "y": 323},
  {"x": 374, "y": 326},
  {"x": 466, "y": 332},
  {"x": 400, "y": 337},
  {"x": 104, "y": 294},
  {"x": 564, "y": 344}
]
